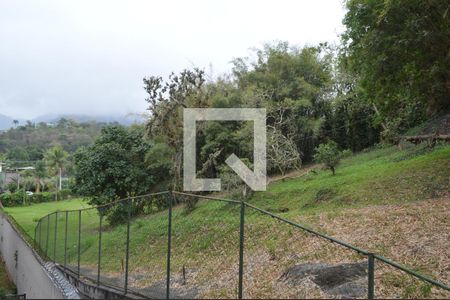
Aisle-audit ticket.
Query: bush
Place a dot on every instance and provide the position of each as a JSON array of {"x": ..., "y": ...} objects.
[
  {"x": 20, "y": 198},
  {"x": 12, "y": 187},
  {"x": 64, "y": 194},
  {"x": 13, "y": 199},
  {"x": 42, "y": 197},
  {"x": 346, "y": 153},
  {"x": 329, "y": 155}
]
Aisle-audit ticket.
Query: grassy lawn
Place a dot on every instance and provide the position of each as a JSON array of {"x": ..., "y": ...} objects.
[
  {"x": 205, "y": 241},
  {"x": 27, "y": 216}
]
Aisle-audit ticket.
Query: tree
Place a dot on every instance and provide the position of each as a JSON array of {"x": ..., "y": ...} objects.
[
  {"x": 56, "y": 159},
  {"x": 159, "y": 160},
  {"x": 282, "y": 154},
  {"x": 295, "y": 84},
  {"x": 329, "y": 155},
  {"x": 399, "y": 52},
  {"x": 166, "y": 101},
  {"x": 39, "y": 173},
  {"x": 113, "y": 168},
  {"x": 18, "y": 154}
]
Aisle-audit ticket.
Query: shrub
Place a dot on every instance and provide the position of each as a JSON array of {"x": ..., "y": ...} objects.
[
  {"x": 13, "y": 199},
  {"x": 64, "y": 194},
  {"x": 20, "y": 197},
  {"x": 12, "y": 187},
  {"x": 346, "y": 153},
  {"x": 329, "y": 155},
  {"x": 42, "y": 197}
]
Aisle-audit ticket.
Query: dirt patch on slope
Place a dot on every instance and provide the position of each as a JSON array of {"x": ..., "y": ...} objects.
[{"x": 416, "y": 235}]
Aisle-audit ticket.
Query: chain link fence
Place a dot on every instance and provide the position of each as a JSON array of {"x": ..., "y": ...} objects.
[{"x": 153, "y": 246}]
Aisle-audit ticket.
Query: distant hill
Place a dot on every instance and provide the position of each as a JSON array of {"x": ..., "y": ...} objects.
[
  {"x": 7, "y": 122},
  {"x": 121, "y": 119},
  {"x": 29, "y": 140}
]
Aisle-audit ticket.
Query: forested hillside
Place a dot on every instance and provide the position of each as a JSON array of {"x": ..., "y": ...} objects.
[{"x": 29, "y": 142}]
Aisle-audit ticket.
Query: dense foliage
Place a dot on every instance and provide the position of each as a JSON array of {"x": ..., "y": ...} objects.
[
  {"x": 399, "y": 51},
  {"x": 37, "y": 156},
  {"x": 30, "y": 141},
  {"x": 20, "y": 197},
  {"x": 309, "y": 96},
  {"x": 113, "y": 168}
]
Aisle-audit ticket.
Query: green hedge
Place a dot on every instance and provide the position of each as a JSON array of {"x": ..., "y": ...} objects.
[{"x": 21, "y": 198}]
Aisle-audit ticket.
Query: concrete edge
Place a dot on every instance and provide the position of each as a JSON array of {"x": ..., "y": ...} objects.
[{"x": 55, "y": 276}]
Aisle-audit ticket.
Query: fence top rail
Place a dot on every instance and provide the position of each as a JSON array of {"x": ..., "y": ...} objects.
[
  {"x": 329, "y": 238},
  {"x": 107, "y": 204},
  {"x": 207, "y": 197},
  {"x": 411, "y": 272}
]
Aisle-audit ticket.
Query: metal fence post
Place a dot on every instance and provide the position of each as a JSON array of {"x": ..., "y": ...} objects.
[
  {"x": 40, "y": 236},
  {"x": 371, "y": 276},
  {"x": 99, "y": 247},
  {"x": 241, "y": 250},
  {"x": 48, "y": 233},
  {"x": 56, "y": 232},
  {"x": 127, "y": 249},
  {"x": 169, "y": 245},
  {"x": 65, "y": 241},
  {"x": 35, "y": 235},
  {"x": 79, "y": 243}
]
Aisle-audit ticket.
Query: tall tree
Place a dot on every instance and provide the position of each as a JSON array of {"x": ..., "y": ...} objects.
[
  {"x": 39, "y": 173},
  {"x": 295, "y": 84},
  {"x": 56, "y": 159},
  {"x": 113, "y": 168},
  {"x": 166, "y": 101},
  {"x": 399, "y": 50}
]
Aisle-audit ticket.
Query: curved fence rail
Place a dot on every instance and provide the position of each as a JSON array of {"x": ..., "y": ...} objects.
[{"x": 107, "y": 244}]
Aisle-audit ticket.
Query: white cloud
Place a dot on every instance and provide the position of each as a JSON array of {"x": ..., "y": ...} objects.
[{"x": 90, "y": 56}]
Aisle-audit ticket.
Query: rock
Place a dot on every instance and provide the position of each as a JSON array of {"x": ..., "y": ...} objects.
[
  {"x": 341, "y": 280},
  {"x": 352, "y": 289}
]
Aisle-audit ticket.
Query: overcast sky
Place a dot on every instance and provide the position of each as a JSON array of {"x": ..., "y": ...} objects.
[{"x": 89, "y": 57}]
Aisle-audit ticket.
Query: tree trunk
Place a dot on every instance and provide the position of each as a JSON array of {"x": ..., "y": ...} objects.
[
  {"x": 333, "y": 170},
  {"x": 378, "y": 113},
  {"x": 56, "y": 191}
]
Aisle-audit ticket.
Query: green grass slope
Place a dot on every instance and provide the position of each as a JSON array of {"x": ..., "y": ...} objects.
[
  {"x": 205, "y": 241},
  {"x": 380, "y": 176}
]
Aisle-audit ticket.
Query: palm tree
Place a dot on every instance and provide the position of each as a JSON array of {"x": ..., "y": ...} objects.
[
  {"x": 39, "y": 173},
  {"x": 56, "y": 159}
]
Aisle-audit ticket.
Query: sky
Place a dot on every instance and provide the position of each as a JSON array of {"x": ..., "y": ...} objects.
[{"x": 89, "y": 57}]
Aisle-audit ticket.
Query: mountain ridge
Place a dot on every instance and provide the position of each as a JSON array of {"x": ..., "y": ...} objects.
[{"x": 6, "y": 122}]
